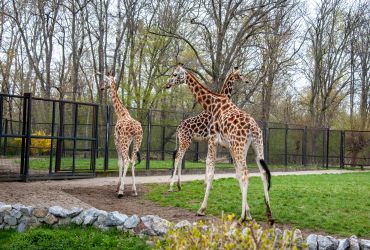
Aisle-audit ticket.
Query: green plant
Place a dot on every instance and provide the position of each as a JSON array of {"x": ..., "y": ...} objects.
[
  {"x": 69, "y": 237},
  {"x": 228, "y": 234},
  {"x": 38, "y": 145}
]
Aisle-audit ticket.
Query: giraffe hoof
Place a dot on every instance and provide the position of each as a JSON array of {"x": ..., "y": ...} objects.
[
  {"x": 120, "y": 195},
  {"x": 271, "y": 221},
  {"x": 134, "y": 193},
  {"x": 199, "y": 213},
  {"x": 170, "y": 190},
  {"x": 179, "y": 187}
]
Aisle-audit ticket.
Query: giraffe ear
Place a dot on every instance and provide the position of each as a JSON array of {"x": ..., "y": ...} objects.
[
  {"x": 236, "y": 68},
  {"x": 180, "y": 64}
]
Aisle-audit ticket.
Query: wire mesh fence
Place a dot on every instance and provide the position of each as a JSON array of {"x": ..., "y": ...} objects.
[{"x": 55, "y": 137}]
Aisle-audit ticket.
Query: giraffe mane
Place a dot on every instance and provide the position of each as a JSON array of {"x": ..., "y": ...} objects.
[{"x": 203, "y": 87}]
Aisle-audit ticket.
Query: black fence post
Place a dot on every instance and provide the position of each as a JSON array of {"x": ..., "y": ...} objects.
[
  {"x": 24, "y": 134},
  {"x": 1, "y": 118},
  {"x": 163, "y": 143},
  {"x": 94, "y": 132},
  {"x": 323, "y": 148},
  {"x": 266, "y": 141},
  {"x": 196, "y": 155},
  {"x": 5, "y": 143},
  {"x": 28, "y": 97},
  {"x": 286, "y": 146},
  {"x": 106, "y": 139},
  {"x": 51, "y": 153},
  {"x": 75, "y": 116},
  {"x": 327, "y": 147},
  {"x": 60, "y": 134},
  {"x": 304, "y": 147},
  {"x": 341, "y": 149},
  {"x": 148, "y": 135}
]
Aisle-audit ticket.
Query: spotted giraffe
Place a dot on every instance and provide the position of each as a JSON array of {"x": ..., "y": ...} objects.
[
  {"x": 197, "y": 128},
  {"x": 127, "y": 131},
  {"x": 230, "y": 127}
]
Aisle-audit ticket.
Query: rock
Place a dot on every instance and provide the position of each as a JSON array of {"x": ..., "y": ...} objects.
[
  {"x": 21, "y": 228},
  {"x": 77, "y": 220},
  {"x": 40, "y": 212},
  {"x": 327, "y": 243},
  {"x": 365, "y": 244},
  {"x": 183, "y": 224},
  {"x": 64, "y": 221},
  {"x": 10, "y": 220},
  {"x": 15, "y": 213},
  {"x": 2, "y": 204},
  {"x": 298, "y": 238},
  {"x": 155, "y": 225},
  {"x": 115, "y": 219},
  {"x": 5, "y": 208},
  {"x": 89, "y": 220},
  {"x": 1, "y": 219},
  {"x": 58, "y": 211},
  {"x": 343, "y": 244},
  {"x": 131, "y": 222},
  {"x": 50, "y": 219},
  {"x": 26, "y": 210},
  {"x": 311, "y": 242},
  {"x": 74, "y": 211},
  {"x": 354, "y": 243},
  {"x": 278, "y": 236},
  {"x": 28, "y": 221}
]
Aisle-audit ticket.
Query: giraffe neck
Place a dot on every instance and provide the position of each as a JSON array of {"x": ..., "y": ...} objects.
[
  {"x": 204, "y": 97},
  {"x": 120, "y": 110},
  {"x": 228, "y": 86}
]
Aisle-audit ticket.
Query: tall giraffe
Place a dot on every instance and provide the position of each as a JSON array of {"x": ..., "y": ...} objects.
[
  {"x": 197, "y": 128},
  {"x": 127, "y": 131},
  {"x": 232, "y": 128}
]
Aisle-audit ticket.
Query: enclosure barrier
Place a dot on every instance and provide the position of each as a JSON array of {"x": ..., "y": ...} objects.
[{"x": 59, "y": 138}]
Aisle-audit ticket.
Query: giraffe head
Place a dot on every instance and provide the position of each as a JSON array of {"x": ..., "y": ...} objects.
[
  {"x": 107, "y": 81},
  {"x": 178, "y": 76}
]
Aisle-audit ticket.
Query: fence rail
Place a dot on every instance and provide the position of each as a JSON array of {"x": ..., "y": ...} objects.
[{"x": 79, "y": 140}]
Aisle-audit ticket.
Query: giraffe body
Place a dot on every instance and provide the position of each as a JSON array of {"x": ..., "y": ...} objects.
[
  {"x": 195, "y": 128},
  {"x": 127, "y": 131},
  {"x": 230, "y": 127}
]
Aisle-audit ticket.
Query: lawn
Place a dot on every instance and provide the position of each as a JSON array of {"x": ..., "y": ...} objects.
[
  {"x": 42, "y": 163},
  {"x": 71, "y": 237},
  {"x": 338, "y": 204}
]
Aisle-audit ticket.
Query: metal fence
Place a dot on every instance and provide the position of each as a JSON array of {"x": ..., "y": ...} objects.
[
  {"x": 57, "y": 138},
  {"x": 35, "y": 138}
]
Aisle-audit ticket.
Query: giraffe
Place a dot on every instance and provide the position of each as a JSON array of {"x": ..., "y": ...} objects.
[
  {"x": 197, "y": 128},
  {"x": 127, "y": 131},
  {"x": 233, "y": 128}
]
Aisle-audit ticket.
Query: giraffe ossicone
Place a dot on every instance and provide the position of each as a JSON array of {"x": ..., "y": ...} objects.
[{"x": 231, "y": 127}]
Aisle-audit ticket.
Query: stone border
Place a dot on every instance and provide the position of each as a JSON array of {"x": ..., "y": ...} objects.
[{"x": 21, "y": 218}]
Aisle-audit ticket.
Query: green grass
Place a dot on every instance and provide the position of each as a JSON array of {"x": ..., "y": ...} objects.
[
  {"x": 42, "y": 163},
  {"x": 71, "y": 237},
  {"x": 335, "y": 203}
]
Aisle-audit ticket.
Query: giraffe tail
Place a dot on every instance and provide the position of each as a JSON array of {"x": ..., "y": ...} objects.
[
  {"x": 264, "y": 166},
  {"x": 138, "y": 156}
]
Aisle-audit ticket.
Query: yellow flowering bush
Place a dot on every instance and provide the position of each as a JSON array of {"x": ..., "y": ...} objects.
[
  {"x": 38, "y": 145},
  {"x": 229, "y": 234}
]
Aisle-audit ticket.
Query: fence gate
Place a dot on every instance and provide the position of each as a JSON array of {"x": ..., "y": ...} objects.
[{"x": 46, "y": 139}]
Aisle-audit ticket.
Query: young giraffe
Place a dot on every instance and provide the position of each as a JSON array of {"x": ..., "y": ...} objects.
[
  {"x": 232, "y": 128},
  {"x": 197, "y": 128},
  {"x": 127, "y": 131}
]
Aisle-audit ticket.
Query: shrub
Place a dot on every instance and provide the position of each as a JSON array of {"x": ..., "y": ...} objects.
[
  {"x": 38, "y": 145},
  {"x": 229, "y": 234}
]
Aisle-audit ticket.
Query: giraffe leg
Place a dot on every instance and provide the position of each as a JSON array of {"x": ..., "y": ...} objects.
[
  {"x": 178, "y": 161},
  {"x": 120, "y": 169},
  {"x": 243, "y": 178},
  {"x": 126, "y": 163},
  {"x": 265, "y": 176},
  {"x": 135, "y": 149},
  {"x": 177, "y": 165},
  {"x": 210, "y": 164}
]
